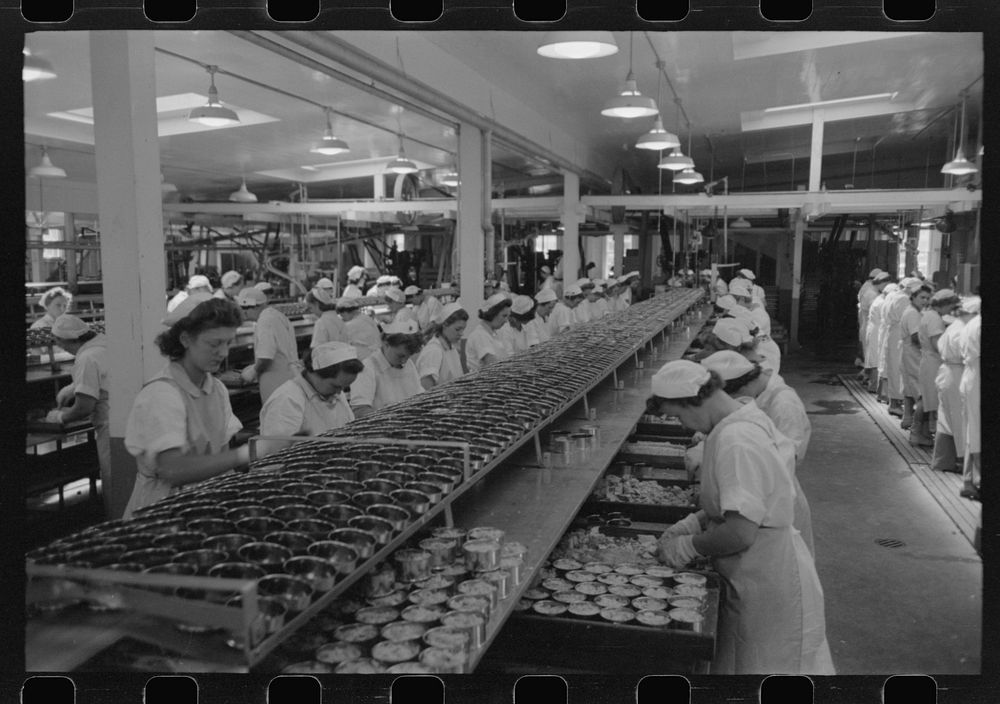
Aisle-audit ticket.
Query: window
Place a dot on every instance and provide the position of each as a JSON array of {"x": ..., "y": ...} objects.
[{"x": 543, "y": 243}]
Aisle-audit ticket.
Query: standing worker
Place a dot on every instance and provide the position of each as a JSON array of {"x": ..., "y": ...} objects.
[
  {"x": 363, "y": 333},
  {"x": 909, "y": 351},
  {"x": 356, "y": 276},
  {"x": 866, "y": 295},
  {"x": 87, "y": 395},
  {"x": 439, "y": 361},
  {"x": 275, "y": 349},
  {"x": 895, "y": 305},
  {"x": 181, "y": 421},
  {"x": 970, "y": 344},
  {"x": 949, "y": 440},
  {"x": 312, "y": 402},
  {"x": 772, "y": 617},
  {"x": 196, "y": 284},
  {"x": 930, "y": 330},
  {"x": 873, "y": 321},
  {"x": 232, "y": 283}
]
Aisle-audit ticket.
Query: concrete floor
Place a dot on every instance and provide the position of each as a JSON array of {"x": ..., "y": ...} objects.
[{"x": 909, "y": 609}]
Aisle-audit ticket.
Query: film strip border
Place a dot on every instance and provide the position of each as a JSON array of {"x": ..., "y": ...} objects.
[
  {"x": 524, "y": 689},
  {"x": 872, "y": 15},
  {"x": 501, "y": 14}
]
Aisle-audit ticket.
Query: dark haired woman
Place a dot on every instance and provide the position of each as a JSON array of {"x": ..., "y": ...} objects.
[
  {"x": 181, "y": 421},
  {"x": 87, "y": 395},
  {"x": 55, "y": 301},
  {"x": 518, "y": 334},
  {"x": 485, "y": 345},
  {"x": 314, "y": 401},
  {"x": 909, "y": 352},
  {"x": 771, "y": 618},
  {"x": 389, "y": 375},
  {"x": 743, "y": 378},
  {"x": 439, "y": 361}
]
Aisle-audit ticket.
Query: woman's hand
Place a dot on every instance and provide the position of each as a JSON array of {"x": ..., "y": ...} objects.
[{"x": 677, "y": 552}]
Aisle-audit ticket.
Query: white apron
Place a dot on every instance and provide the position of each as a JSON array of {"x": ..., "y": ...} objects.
[
  {"x": 909, "y": 354},
  {"x": 969, "y": 385},
  {"x": 771, "y": 618},
  {"x": 950, "y": 419},
  {"x": 930, "y": 360},
  {"x": 872, "y": 333}
]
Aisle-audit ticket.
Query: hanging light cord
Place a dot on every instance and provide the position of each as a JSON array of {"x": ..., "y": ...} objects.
[
  {"x": 677, "y": 100},
  {"x": 300, "y": 98}
]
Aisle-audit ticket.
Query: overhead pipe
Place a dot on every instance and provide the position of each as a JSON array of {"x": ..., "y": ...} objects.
[
  {"x": 345, "y": 54},
  {"x": 487, "y": 196}
]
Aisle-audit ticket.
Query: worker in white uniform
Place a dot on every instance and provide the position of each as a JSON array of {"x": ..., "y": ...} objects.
[
  {"x": 563, "y": 315},
  {"x": 380, "y": 286},
  {"x": 895, "y": 305},
  {"x": 275, "y": 349},
  {"x": 390, "y": 375},
  {"x": 548, "y": 280},
  {"x": 866, "y": 294},
  {"x": 546, "y": 300},
  {"x": 583, "y": 311},
  {"x": 196, "y": 284},
  {"x": 312, "y": 402},
  {"x": 598, "y": 303},
  {"x": 772, "y": 617},
  {"x": 329, "y": 327},
  {"x": 719, "y": 285},
  {"x": 742, "y": 291},
  {"x": 181, "y": 421},
  {"x": 949, "y": 440},
  {"x": 86, "y": 396},
  {"x": 969, "y": 388},
  {"x": 519, "y": 333},
  {"x": 425, "y": 308},
  {"x": 932, "y": 326},
  {"x": 484, "y": 346},
  {"x": 909, "y": 351},
  {"x": 55, "y": 301},
  {"x": 363, "y": 333},
  {"x": 758, "y": 295},
  {"x": 439, "y": 361},
  {"x": 264, "y": 286},
  {"x": 744, "y": 379},
  {"x": 395, "y": 299},
  {"x": 873, "y": 319},
  {"x": 356, "y": 276},
  {"x": 631, "y": 286},
  {"x": 232, "y": 283},
  {"x": 877, "y": 314}
]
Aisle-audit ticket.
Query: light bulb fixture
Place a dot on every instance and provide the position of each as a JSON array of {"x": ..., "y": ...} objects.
[
  {"x": 451, "y": 178},
  {"x": 35, "y": 68},
  {"x": 330, "y": 145},
  {"x": 960, "y": 166},
  {"x": 401, "y": 165},
  {"x": 658, "y": 138},
  {"x": 689, "y": 177},
  {"x": 630, "y": 103},
  {"x": 213, "y": 114},
  {"x": 577, "y": 45},
  {"x": 676, "y": 161},
  {"x": 45, "y": 168},
  {"x": 740, "y": 223},
  {"x": 243, "y": 195}
]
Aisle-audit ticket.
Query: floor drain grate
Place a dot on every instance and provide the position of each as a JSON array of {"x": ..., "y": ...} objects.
[{"x": 890, "y": 543}]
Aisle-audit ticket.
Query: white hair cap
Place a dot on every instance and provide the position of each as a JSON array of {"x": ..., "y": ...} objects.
[
  {"x": 355, "y": 273},
  {"x": 323, "y": 295},
  {"x": 330, "y": 353},
  {"x": 741, "y": 287},
  {"x": 69, "y": 327},
  {"x": 679, "y": 379},
  {"x": 199, "y": 281},
  {"x": 746, "y": 273},
  {"x": 572, "y": 290},
  {"x": 250, "y": 298},
  {"x": 522, "y": 305},
  {"x": 728, "y": 364},
  {"x": 404, "y": 327},
  {"x": 726, "y": 302},
  {"x": 325, "y": 283},
  {"x": 185, "y": 307},
  {"x": 732, "y": 331},
  {"x": 396, "y": 295},
  {"x": 971, "y": 304},
  {"x": 546, "y": 295},
  {"x": 231, "y": 278},
  {"x": 447, "y": 311},
  {"x": 412, "y": 290},
  {"x": 494, "y": 300}
]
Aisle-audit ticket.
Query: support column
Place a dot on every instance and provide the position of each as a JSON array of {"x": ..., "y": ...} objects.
[
  {"x": 816, "y": 153},
  {"x": 800, "y": 225},
  {"x": 130, "y": 213},
  {"x": 489, "y": 236},
  {"x": 619, "y": 235},
  {"x": 571, "y": 228},
  {"x": 469, "y": 235},
  {"x": 71, "y": 255}
]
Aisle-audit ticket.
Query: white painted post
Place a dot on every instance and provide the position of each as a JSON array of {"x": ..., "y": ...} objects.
[
  {"x": 469, "y": 235},
  {"x": 571, "y": 225}
]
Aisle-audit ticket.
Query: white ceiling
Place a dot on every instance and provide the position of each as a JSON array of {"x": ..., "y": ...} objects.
[{"x": 723, "y": 80}]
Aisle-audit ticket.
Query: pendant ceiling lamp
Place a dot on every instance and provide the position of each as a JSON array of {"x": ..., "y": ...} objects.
[
  {"x": 401, "y": 165},
  {"x": 243, "y": 195},
  {"x": 36, "y": 68},
  {"x": 688, "y": 175},
  {"x": 960, "y": 166},
  {"x": 658, "y": 138},
  {"x": 214, "y": 113},
  {"x": 676, "y": 161},
  {"x": 45, "y": 168},
  {"x": 330, "y": 145},
  {"x": 630, "y": 103},
  {"x": 740, "y": 223},
  {"x": 577, "y": 45}
]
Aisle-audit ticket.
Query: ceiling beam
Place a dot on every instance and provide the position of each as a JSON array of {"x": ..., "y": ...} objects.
[
  {"x": 756, "y": 120},
  {"x": 424, "y": 205}
]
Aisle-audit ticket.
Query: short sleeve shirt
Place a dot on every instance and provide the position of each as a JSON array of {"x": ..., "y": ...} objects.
[
  {"x": 482, "y": 342},
  {"x": 328, "y": 328},
  {"x": 440, "y": 361},
  {"x": 379, "y": 384},
  {"x": 90, "y": 369},
  {"x": 296, "y": 408},
  {"x": 363, "y": 334},
  {"x": 274, "y": 336}
]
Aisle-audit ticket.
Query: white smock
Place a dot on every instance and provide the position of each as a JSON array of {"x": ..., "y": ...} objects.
[
  {"x": 909, "y": 354},
  {"x": 45, "y": 321},
  {"x": 561, "y": 318},
  {"x": 872, "y": 330},
  {"x": 274, "y": 339},
  {"x": 931, "y": 325},
  {"x": 328, "y": 328},
  {"x": 518, "y": 340},
  {"x": 171, "y": 412},
  {"x": 771, "y": 619},
  {"x": 895, "y": 305},
  {"x": 296, "y": 408},
  {"x": 363, "y": 334},
  {"x": 540, "y": 329},
  {"x": 769, "y": 352},
  {"x": 90, "y": 378},
  {"x": 969, "y": 385},
  {"x": 426, "y": 313},
  {"x": 763, "y": 320},
  {"x": 785, "y": 409},
  {"x": 950, "y": 416},
  {"x": 599, "y": 308},
  {"x": 721, "y": 287},
  {"x": 352, "y": 291},
  {"x": 481, "y": 342},
  {"x": 380, "y": 384},
  {"x": 583, "y": 312},
  {"x": 866, "y": 296},
  {"x": 440, "y": 361}
]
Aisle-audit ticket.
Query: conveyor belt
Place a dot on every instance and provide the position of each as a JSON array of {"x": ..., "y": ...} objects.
[{"x": 943, "y": 486}]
